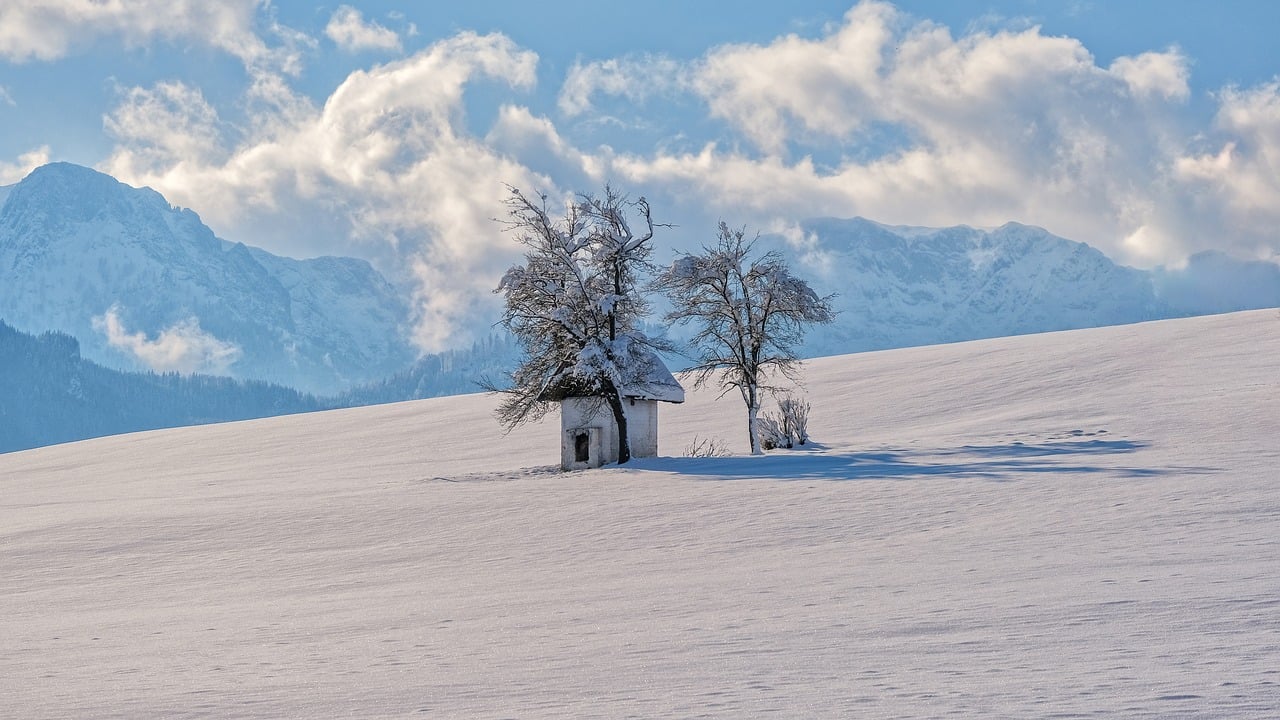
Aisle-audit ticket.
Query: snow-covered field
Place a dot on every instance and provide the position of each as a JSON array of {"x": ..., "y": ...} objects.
[{"x": 1065, "y": 525}]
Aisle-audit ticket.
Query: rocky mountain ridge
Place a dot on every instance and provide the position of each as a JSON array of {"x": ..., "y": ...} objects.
[
  {"x": 900, "y": 286},
  {"x": 146, "y": 286}
]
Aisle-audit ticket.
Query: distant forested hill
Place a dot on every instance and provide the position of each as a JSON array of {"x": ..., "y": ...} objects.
[
  {"x": 49, "y": 394},
  {"x": 453, "y": 372}
]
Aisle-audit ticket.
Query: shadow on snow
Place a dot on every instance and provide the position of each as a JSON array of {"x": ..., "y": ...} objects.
[{"x": 990, "y": 462}]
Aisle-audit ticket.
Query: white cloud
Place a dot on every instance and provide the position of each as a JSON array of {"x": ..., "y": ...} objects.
[
  {"x": 634, "y": 78},
  {"x": 348, "y": 30},
  {"x": 829, "y": 85},
  {"x": 5, "y": 97},
  {"x": 387, "y": 159},
  {"x": 13, "y": 172},
  {"x": 1152, "y": 73},
  {"x": 184, "y": 347},
  {"x": 518, "y": 133},
  {"x": 49, "y": 29},
  {"x": 168, "y": 123},
  {"x": 808, "y": 249},
  {"x": 1242, "y": 177}
]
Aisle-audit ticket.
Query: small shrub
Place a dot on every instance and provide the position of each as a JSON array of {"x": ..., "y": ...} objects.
[
  {"x": 786, "y": 428},
  {"x": 795, "y": 418},
  {"x": 706, "y": 448},
  {"x": 771, "y": 431}
]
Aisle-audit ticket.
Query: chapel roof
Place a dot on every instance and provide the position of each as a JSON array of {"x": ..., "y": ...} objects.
[{"x": 649, "y": 380}]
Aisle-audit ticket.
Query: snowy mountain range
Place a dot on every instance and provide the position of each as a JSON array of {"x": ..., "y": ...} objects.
[
  {"x": 902, "y": 286},
  {"x": 144, "y": 285}
]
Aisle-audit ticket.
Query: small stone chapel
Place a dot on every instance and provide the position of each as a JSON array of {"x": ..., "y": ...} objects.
[{"x": 588, "y": 433}]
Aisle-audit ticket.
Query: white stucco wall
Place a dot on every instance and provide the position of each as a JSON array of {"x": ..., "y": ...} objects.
[
  {"x": 642, "y": 428},
  {"x": 586, "y": 413}
]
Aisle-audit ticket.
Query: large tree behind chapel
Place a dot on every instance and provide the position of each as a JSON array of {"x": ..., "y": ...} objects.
[
  {"x": 750, "y": 314},
  {"x": 576, "y": 303}
]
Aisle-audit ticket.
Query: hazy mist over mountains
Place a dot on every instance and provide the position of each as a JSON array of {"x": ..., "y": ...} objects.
[{"x": 142, "y": 286}]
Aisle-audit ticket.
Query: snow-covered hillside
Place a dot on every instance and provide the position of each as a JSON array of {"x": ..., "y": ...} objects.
[
  {"x": 1075, "y": 524},
  {"x": 143, "y": 285}
]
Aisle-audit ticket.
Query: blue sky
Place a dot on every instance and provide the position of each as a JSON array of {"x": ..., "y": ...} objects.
[{"x": 387, "y": 129}]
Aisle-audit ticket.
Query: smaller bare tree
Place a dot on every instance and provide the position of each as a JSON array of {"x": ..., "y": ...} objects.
[{"x": 750, "y": 313}]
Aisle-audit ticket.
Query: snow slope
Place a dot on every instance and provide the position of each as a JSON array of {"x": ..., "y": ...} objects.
[{"x": 1065, "y": 525}]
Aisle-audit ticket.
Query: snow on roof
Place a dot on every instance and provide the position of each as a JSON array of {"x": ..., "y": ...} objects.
[
  {"x": 654, "y": 382},
  {"x": 649, "y": 380}
]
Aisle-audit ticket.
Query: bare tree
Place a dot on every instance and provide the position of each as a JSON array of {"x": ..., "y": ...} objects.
[
  {"x": 750, "y": 313},
  {"x": 576, "y": 303}
]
